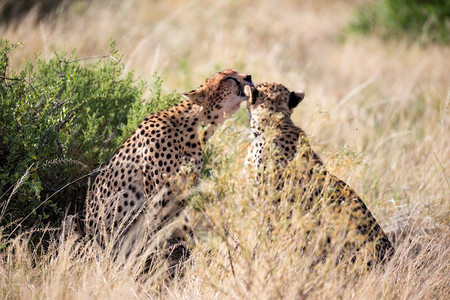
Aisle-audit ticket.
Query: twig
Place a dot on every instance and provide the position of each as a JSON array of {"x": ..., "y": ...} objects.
[
  {"x": 229, "y": 254},
  {"x": 80, "y": 59},
  {"x": 225, "y": 231},
  {"x": 60, "y": 103},
  {"x": 67, "y": 119},
  {"x": 9, "y": 78}
]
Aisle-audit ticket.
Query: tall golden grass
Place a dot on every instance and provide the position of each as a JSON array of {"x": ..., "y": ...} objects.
[{"x": 377, "y": 112}]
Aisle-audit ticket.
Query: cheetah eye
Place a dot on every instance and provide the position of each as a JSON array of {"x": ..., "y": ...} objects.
[{"x": 233, "y": 79}]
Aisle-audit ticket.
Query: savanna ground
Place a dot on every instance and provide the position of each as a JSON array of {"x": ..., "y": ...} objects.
[{"x": 377, "y": 112}]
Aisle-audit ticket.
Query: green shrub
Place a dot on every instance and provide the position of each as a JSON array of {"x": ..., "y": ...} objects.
[
  {"x": 60, "y": 119},
  {"x": 419, "y": 20}
]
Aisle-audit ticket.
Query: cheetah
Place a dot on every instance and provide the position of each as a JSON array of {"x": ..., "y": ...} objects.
[
  {"x": 140, "y": 185},
  {"x": 270, "y": 106}
]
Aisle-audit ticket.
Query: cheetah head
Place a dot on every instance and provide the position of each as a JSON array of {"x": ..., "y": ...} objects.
[
  {"x": 271, "y": 100},
  {"x": 221, "y": 94}
]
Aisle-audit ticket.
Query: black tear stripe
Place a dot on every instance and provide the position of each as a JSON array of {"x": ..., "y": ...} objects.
[{"x": 240, "y": 91}]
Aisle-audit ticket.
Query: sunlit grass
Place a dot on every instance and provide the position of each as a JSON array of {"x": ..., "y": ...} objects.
[
  {"x": 377, "y": 113},
  {"x": 246, "y": 247}
]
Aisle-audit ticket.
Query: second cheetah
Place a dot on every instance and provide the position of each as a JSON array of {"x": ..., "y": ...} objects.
[{"x": 270, "y": 106}]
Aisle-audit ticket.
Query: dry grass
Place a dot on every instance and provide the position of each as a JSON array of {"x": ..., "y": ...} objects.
[{"x": 378, "y": 114}]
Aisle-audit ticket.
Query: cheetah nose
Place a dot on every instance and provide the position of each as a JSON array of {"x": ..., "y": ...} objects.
[{"x": 248, "y": 78}]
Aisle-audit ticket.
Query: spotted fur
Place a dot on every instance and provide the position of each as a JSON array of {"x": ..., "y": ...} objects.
[
  {"x": 148, "y": 174},
  {"x": 270, "y": 106}
]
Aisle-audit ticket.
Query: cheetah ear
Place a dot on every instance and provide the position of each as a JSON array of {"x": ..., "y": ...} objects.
[
  {"x": 252, "y": 93},
  {"x": 197, "y": 96},
  {"x": 295, "y": 98}
]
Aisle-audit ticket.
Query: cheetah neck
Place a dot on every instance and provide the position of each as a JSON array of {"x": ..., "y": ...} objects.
[
  {"x": 196, "y": 120},
  {"x": 272, "y": 128},
  {"x": 284, "y": 135}
]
